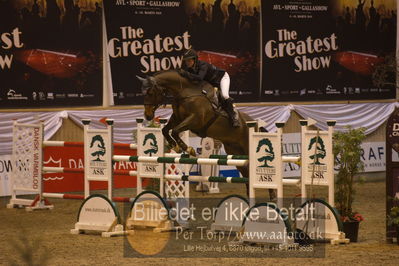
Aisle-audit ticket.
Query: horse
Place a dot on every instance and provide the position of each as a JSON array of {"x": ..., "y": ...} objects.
[{"x": 194, "y": 110}]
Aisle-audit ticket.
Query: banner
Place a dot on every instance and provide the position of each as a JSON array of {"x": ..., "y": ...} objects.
[
  {"x": 145, "y": 37},
  {"x": 373, "y": 157},
  {"x": 72, "y": 157},
  {"x": 227, "y": 34},
  {"x": 392, "y": 172},
  {"x": 69, "y": 157},
  {"x": 50, "y": 53},
  {"x": 328, "y": 50},
  {"x": 5, "y": 175}
]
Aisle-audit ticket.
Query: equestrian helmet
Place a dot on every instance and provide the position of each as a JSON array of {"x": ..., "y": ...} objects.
[{"x": 190, "y": 54}]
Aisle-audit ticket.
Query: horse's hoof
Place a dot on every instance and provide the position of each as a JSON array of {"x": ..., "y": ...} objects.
[
  {"x": 177, "y": 149},
  {"x": 191, "y": 151}
]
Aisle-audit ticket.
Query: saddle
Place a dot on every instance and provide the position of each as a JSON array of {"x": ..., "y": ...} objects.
[{"x": 215, "y": 98}]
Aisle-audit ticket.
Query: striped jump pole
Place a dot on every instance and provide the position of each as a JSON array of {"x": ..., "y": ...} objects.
[
  {"x": 218, "y": 179},
  {"x": 56, "y": 143},
  {"x": 63, "y": 196},
  {"x": 291, "y": 159},
  {"x": 81, "y": 170},
  {"x": 206, "y": 161},
  {"x": 81, "y": 197},
  {"x": 131, "y": 146},
  {"x": 238, "y": 157},
  {"x": 125, "y": 172},
  {"x": 212, "y": 156},
  {"x": 47, "y": 169}
]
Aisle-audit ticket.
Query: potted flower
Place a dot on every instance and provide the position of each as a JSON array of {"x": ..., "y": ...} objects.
[
  {"x": 347, "y": 153},
  {"x": 393, "y": 219}
]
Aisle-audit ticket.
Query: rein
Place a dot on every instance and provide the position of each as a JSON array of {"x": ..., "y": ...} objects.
[
  {"x": 163, "y": 94},
  {"x": 178, "y": 100}
]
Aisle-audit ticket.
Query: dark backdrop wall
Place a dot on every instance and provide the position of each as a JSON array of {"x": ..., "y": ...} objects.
[{"x": 50, "y": 53}]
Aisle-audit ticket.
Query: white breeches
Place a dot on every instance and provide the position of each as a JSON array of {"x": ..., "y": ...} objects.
[{"x": 225, "y": 86}]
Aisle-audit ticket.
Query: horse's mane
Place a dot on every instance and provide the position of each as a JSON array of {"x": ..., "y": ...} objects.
[
  {"x": 193, "y": 85},
  {"x": 174, "y": 71},
  {"x": 164, "y": 71}
]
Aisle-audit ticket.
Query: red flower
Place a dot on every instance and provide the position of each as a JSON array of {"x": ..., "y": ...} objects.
[
  {"x": 353, "y": 217},
  {"x": 358, "y": 217}
]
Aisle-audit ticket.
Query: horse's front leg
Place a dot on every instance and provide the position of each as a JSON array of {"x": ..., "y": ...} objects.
[
  {"x": 183, "y": 126},
  {"x": 165, "y": 131}
]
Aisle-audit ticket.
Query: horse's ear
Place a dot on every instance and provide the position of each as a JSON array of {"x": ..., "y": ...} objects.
[{"x": 140, "y": 78}]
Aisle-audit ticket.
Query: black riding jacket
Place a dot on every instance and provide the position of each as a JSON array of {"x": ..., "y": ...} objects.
[{"x": 204, "y": 71}]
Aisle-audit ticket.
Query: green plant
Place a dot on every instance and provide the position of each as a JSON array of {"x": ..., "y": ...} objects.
[
  {"x": 393, "y": 215},
  {"x": 347, "y": 153},
  {"x": 153, "y": 123}
]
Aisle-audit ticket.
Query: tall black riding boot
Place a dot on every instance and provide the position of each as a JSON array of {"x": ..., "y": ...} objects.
[{"x": 228, "y": 106}]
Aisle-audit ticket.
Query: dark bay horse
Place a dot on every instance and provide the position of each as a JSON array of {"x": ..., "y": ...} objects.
[{"x": 193, "y": 110}]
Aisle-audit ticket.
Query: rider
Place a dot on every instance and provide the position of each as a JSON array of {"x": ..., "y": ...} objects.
[{"x": 198, "y": 70}]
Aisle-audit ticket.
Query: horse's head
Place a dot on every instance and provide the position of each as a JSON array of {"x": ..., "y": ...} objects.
[{"x": 153, "y": 96}]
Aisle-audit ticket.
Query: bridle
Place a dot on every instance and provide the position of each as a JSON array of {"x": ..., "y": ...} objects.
[
  {"x": 162, "y": 91},
  {"x": 157, "y": 89}
]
